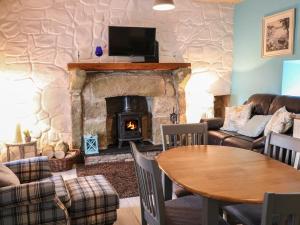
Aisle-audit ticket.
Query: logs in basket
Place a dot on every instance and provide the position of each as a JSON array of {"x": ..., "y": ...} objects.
[
  {"x": 66, "y": 163},
  {"x": 60, "y": 157}
]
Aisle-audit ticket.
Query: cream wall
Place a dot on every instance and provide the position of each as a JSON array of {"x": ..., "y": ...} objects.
[{"x": 39, "y": 37}]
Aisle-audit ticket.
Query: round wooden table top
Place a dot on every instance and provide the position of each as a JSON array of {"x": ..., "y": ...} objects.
[{"x": 228, "y": 174}]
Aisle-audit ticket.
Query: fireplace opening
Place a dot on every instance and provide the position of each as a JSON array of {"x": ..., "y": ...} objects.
[
  {"x": 131, "y": 125},
  {"x": 129, "y": 118}
]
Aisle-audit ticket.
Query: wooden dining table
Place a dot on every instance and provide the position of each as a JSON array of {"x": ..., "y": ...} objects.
[{"x": 226, "y": 175}]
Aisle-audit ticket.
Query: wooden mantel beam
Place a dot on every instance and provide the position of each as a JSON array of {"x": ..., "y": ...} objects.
[{"x": 127, "y": 66}]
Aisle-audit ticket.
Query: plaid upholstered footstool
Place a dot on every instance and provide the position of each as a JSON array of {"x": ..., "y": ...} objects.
[{"x": 93, "y": 201}]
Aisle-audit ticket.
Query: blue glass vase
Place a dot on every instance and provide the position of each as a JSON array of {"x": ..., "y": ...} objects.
[{"x": 99, "y": 51}]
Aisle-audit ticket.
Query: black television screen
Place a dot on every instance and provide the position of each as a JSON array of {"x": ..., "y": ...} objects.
[{"x": 131, "y": 41}]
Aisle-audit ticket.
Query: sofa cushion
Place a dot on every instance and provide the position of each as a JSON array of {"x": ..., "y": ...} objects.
[
  {"x": 216, "y": 137},
  {"x": 236, "y": 117},
  {"x": 261, "y": 103},
  {"x": 255, "y": 126},
  {"x": 280, "y": 122},
  {"x": 291, "y": 103},
  {"x": 60, "y": 189},
  {"x": 7, "y": 177},
  {"x": 239, "y": 142}
]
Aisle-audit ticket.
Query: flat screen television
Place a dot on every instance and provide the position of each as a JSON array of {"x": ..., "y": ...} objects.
[{"x": 131, "y": 41}]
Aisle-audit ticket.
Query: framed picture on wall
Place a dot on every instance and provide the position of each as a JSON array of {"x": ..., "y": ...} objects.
[{"x": 278, "y": 34}]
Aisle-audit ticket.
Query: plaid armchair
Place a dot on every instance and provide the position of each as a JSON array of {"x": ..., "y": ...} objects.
[{"x": 39, "y": 198}]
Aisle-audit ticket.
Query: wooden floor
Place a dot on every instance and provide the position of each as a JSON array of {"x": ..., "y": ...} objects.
[{"x": 129, "y": 211}]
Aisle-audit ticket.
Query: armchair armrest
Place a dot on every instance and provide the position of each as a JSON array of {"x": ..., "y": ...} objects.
[
  {"x": 25, "y": 194},
  {"x": 259, "y": 144},
  {"x": 213, "y": 123},
  {"x": 31, "y": 169}
]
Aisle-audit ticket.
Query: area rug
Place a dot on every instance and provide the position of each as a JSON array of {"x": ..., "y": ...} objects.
[{"x": 120, "y": 174}]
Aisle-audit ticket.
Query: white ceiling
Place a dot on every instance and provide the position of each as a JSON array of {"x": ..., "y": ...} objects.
[{"x": 222, "y": 1}]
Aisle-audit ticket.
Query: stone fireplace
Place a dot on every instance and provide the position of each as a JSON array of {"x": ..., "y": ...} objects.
[{"x": 96, "y": 91}]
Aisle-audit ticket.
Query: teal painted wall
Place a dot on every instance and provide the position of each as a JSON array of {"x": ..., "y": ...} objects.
[
  {"x": 291, "y": 78},
  {"x": 252, "y": 73}
]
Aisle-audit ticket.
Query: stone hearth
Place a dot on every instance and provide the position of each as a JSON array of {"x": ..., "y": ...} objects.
[{"x": 89, "y": 90}]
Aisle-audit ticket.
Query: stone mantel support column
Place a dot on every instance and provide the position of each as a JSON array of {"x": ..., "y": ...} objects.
[
  {"x": 181, "y": 77},
  {"x": 78, "y": 78}
]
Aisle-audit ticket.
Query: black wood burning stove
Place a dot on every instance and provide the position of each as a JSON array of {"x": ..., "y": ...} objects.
[{"x": 129, "y": 123}]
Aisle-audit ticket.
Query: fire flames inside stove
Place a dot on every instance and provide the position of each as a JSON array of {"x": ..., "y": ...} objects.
[{"x": 131, "y": 125}]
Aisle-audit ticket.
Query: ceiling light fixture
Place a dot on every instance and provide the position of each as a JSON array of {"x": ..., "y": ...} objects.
[{"x": 163, "y": 5}]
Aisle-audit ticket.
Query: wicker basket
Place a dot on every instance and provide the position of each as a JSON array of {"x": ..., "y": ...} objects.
[{"x": 66, "y": 163}]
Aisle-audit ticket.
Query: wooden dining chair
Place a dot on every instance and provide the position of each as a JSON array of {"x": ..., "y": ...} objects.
[
  {"x": 283, "y": 148},
  {"x": 175, "y": 135},
  {"x": 154, "y": 210},
  {"x": 281, "y": 209},
  {"x": 280, "y": 147}
]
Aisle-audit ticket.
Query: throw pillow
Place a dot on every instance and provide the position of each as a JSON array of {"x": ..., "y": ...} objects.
[
  {"x": 7, "y": 177},
  {"x": 280, "y": 122},
  {"x": 255, "y": 126},
  {"x": 236, "y": 117}
]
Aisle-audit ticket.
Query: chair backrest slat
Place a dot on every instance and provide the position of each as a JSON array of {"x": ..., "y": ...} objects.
[
  {"x": 183, "y": 134},
  {"x": 283, "y": 148},
  {"x": 281, "y": 209},
  {"x": 187, "y": 138},
  {"x": 150, "y": 188},
  {"x": 293, "y": 157},
  {"x": 297, "y": 161},
  {"x": 273, "y": 155},
  {"x": 287, "y": 156},
  {"x": 181, "y": 137}
]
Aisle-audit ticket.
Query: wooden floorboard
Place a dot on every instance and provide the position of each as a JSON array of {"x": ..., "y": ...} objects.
[{"x": 129, "y": 212}]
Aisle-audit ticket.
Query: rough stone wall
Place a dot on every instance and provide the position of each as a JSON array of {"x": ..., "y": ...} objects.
[{"x": 39, "y": 37}]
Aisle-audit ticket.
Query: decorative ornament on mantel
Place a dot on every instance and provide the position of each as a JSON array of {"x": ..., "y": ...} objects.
[
  {"x": 99, "y": 51},
  {"x": 163, "y": 5}
]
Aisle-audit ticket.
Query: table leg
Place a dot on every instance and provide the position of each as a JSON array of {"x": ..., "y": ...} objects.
[
  {"x": 168, "y": 187},
  {"x": 210, "y": 211}
]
